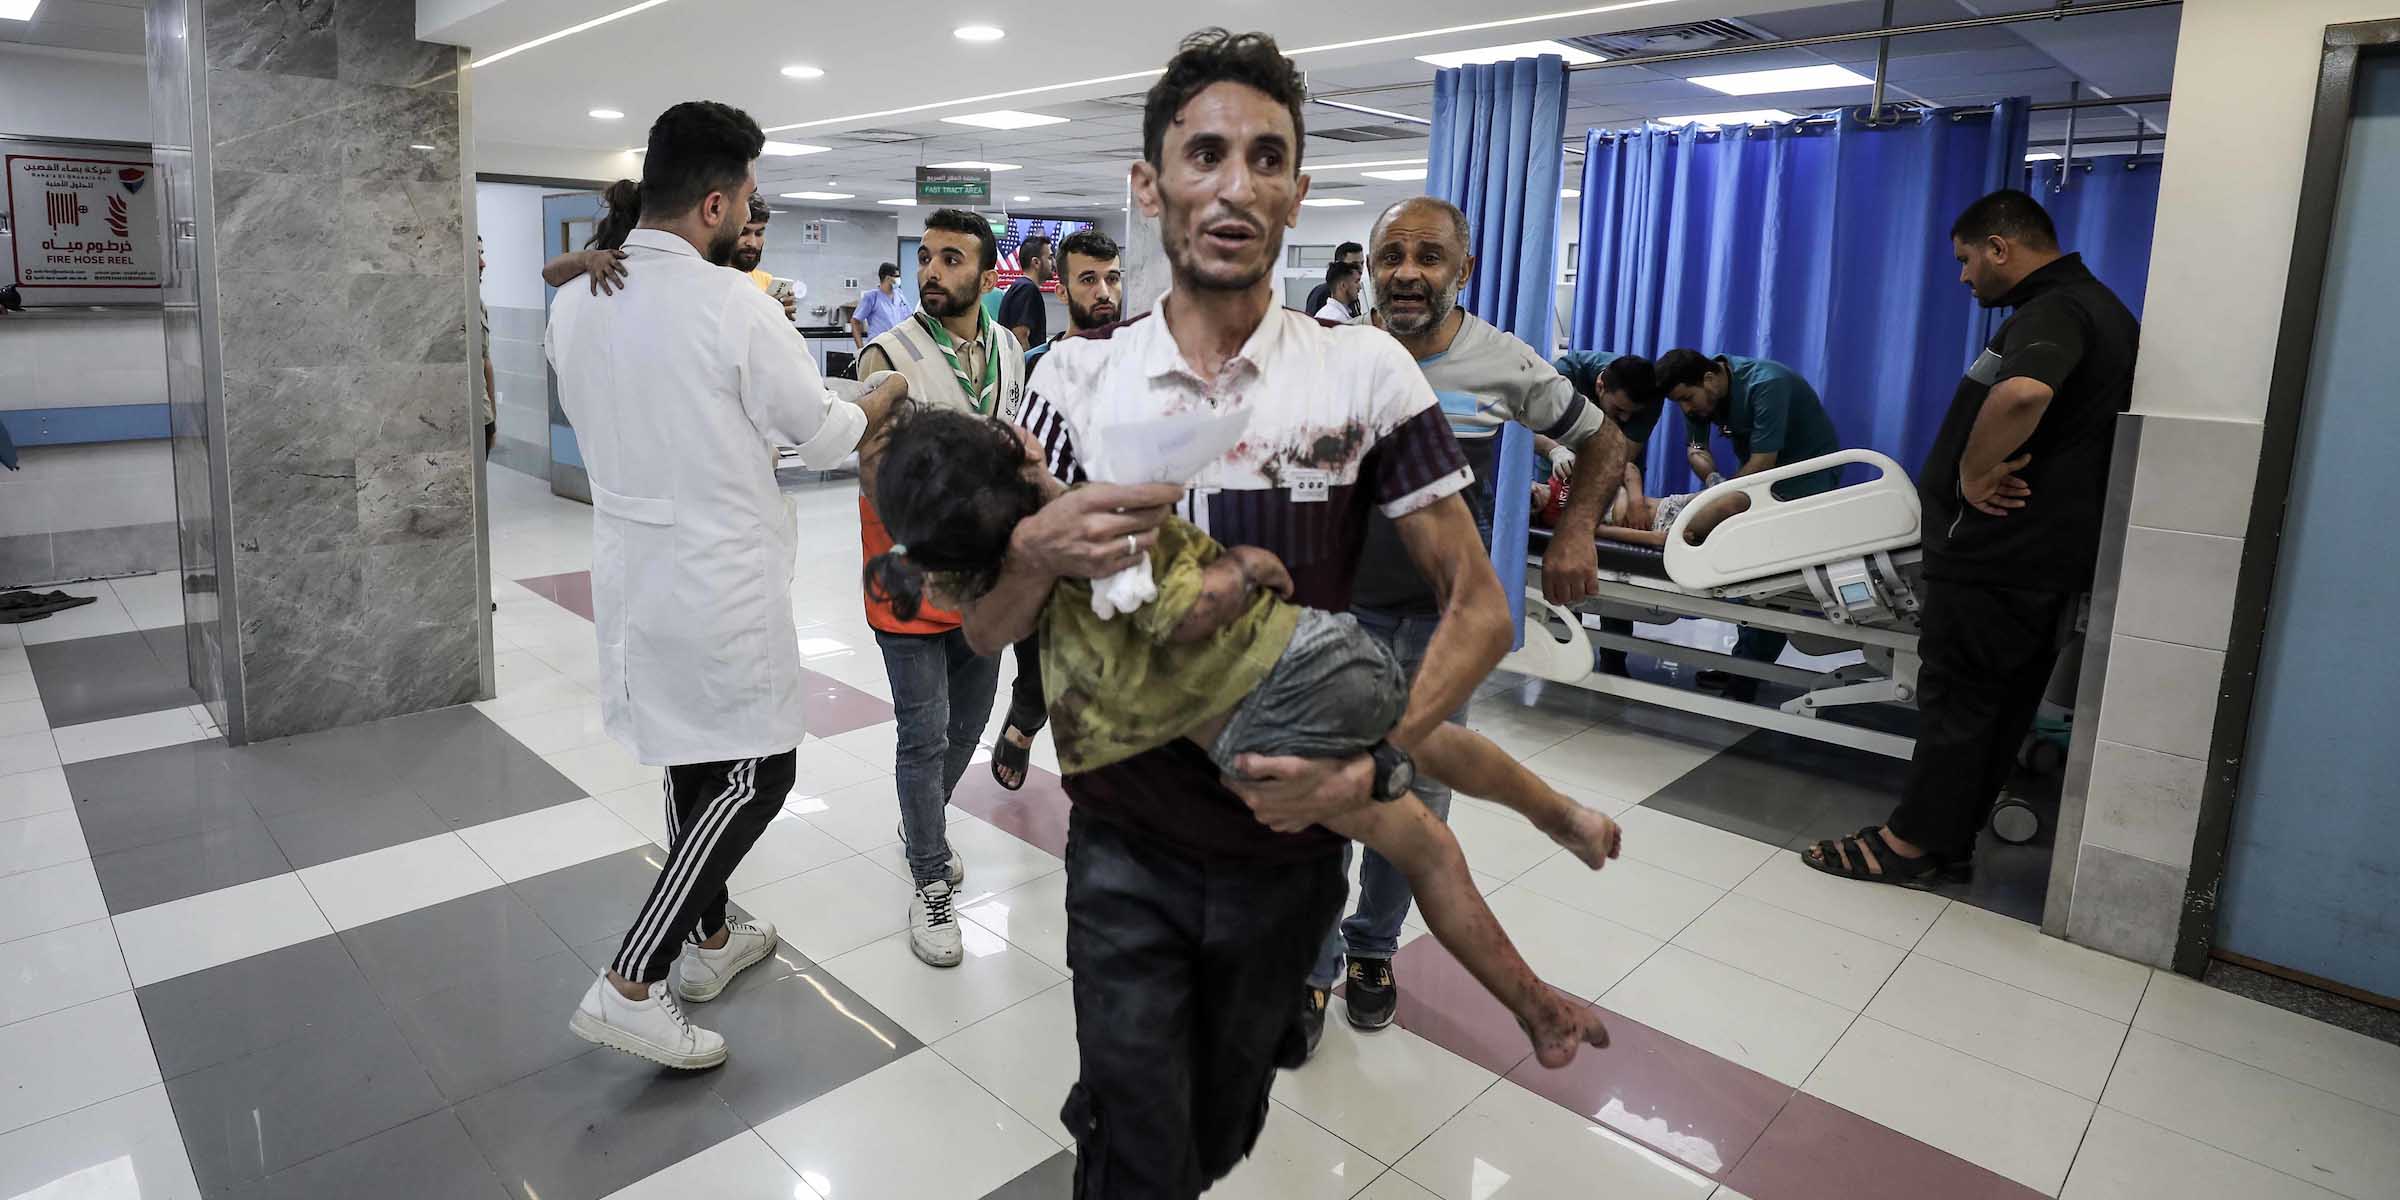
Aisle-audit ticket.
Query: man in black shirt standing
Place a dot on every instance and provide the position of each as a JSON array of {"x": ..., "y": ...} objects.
[
  {"x": 2013, "y": 492},
  {"x": 1021, "y": 308}
]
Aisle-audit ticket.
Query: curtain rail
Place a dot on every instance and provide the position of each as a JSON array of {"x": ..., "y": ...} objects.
[
  {"x": 1974, "y": 110},
  {"x": 1889, "y": 31}
]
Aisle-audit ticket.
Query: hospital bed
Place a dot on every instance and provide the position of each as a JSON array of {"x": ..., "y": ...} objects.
[{"x": 1838, "y": 572}]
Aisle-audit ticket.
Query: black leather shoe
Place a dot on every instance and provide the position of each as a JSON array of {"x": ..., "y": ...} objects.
[{"x": 1312, "y": 1018}]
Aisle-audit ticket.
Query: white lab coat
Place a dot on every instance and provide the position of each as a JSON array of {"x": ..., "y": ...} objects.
[{"x": 680, "y": 386}]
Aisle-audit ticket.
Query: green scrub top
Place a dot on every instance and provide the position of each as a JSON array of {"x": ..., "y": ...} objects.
[{"x": 1770, "y": 409}]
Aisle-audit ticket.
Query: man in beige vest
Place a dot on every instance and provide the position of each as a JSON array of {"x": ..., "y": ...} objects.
[{"x": 952, "y": 354}]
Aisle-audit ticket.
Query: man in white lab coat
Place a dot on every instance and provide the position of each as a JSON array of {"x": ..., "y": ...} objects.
[{"x": 679, "y": 391}]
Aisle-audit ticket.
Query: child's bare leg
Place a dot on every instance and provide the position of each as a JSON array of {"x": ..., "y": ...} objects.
[
  {"x": 1471, "y": 763},
  {"x": 1405, "y": 833}
]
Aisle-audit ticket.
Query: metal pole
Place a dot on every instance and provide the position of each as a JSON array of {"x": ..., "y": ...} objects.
[
  {"x": 2066, "y": 162},
  {"x": 1829, "y": 39},
  {"x": 1883, "y": 63}
]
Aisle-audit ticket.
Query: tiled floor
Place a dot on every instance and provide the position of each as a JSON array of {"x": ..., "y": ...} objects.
[{"x": 339, "y": 966}]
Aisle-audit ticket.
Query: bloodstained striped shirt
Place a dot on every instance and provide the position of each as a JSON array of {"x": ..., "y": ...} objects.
[{"x": 1342, "y": 424}]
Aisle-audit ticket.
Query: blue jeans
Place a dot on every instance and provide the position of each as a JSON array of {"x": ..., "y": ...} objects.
[
  {"x": 1383, "y": 896},
  {"x": 941, "y": 697}
]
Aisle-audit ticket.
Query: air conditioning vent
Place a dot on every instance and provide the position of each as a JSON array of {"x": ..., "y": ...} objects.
[
  {"x": 1317, "y": 184},
  {"x": 1660, "y": 39},
  {"x": 1371, "y": 133},
  {"x": 880, "y": 137}
]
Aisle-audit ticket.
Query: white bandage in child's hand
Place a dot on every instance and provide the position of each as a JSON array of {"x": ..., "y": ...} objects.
[{"x": 1151, "y": 450}]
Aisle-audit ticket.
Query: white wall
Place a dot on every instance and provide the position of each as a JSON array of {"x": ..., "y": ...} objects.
[
  {"x": 855, "y": 244},
  {"x": 73, "y": 94},
  {"x": 509, "y": 218}
]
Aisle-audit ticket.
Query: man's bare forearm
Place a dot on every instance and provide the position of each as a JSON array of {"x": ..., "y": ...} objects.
[
  {"x": 1599, "y": 469},
  {"x": 2010, "y": 412},
  {"x": 1006, "y": 615},
  {"x": 1471, "y": 638}
]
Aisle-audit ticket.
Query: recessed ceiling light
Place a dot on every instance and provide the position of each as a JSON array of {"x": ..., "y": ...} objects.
[
  {"x": 1019, "y": 199},
  {"x": 18, "y": 10},
  {"x": 2043, "y": 156},
  {"x": 974, "y": 164},
  {"x": 1375, "y": 162},
  {"x": 1396, "y": 173},
  {"x": 819, "y": 195},
  {"x": 605, "y": 114},
  {"x": 1756, "y": 116},
  {"x": 1787, "y": 79},
  {"x": 1569, "y": 194},
  {"x": 1493, "y": 54},
  {"x": 1330, "y": 202},
  {"x": 902, "y": 202},
  {"x": 797, "y": 71},
  {"x": 979, "y": 33},
  {"x": 791, "y": 149},
  {"x": 1005, "y": 118}
]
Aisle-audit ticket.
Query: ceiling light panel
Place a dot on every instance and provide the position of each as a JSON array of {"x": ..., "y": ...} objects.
[
  {"x": 1493, "y": 54},
  {"x": 1005, "y": 118},
  {"x": 1330, "y": 202},
  {"x": 18, "y": 10},
  {"x": 971, "y": 164},
  {"x": 1787, "y": 79},
  {"x": 777, "y": 149},
  {"x": 819, "y": 195},
  {"x": 1755, "y": 116},
  {"x": 1397, "y": 173},
  {"x": 797, "y": 71},
  {"x": 979, "y": 33}
]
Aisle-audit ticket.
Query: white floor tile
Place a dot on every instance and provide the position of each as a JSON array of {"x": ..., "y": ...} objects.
[
  {"x": 152, "y": 601},
  {"x": 1990, "y": 944},
  {"x": 28, "y": 752},
  {"x": 12, "y": 653},
  {"x": 31, "y": 843},
  {"x": 823, "y": 767},
  {"x": 643, "y": 806},
  {"x": 603, "y": 767},
  {"x": 1395, "y": 1186},
  {"x": 32, "y": 793},
  {"x": 1024, "y": 1054},
  {"x": 2128, "y": 1159},
  {"x": 366, "y": 888},
  {"x": 1513, "y": 1145},
  {"x": 2054, "y": 1042},
  {"x": 1523, "y": 732},
  {"x": 873, "y": 744},
  {"x": 789, "y": 847},
  {"x": 1689, "y": 848},
  {"x": 1997, "y": 1119},
  {"x": 1032, "y": 916},
  {"x": 126, "y": 1148},
  {"x": 23, "y": 715},
  {"x": 863, "y": 670},
  {"x": 934, "y": 1002},
  {"x": 52, "y": 898},
  {"x": 62, "y": 1061},
  {"x": 59, "y": 969},
  {"x": 2332, "y": 1141},
  {"x": 1502, "y": 847},
  {"x": 834, "y": 909},
  {"x": 1767, "y": 1027},
  {"x": 1382, "y": 1092},
  {"x": 1621, "y": 762},
  {"x": 996, "y": 860},
  {"x": 1896, "y": 915},
  {"x": 102, "y": 617},
  {"x": 1832, "y": 964},
  {"x": 874, "y": 1136},
  {"x": 126, "y": 735},
  {"x": 1630, "y": 892},
  {"x": 556, "y": 730},
  {"x": 545, "y": 840},
  {"x": 861, "y": 816},
  {"x": 2271, "y": 1039},
  {"x": 203, "y": 931},
  {"x": 1726, "y": 1193},
  {"x": 742, "y": 1167},
  {"x": 19, "y": 687},
  {"x": 1296, "y": 1160},
  {"x": 1570, "y": 949}
]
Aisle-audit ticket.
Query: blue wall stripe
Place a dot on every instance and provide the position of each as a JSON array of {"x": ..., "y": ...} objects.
[{"x": 80, "y": 426}]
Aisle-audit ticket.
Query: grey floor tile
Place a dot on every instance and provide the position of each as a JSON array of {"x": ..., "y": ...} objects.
[
  {"x": 599, "y": 952},
  {"x": 100, "y": 678},
  {"x": 1773, "y": 786},
  {"x": 796, "y": 1033},
  {"x": 489, "y": 783},
  {"x": 279, "y": 778},
  {"x": 429, "y": 1157},
  {"x": 256, "y": 1115},
  {"x": 465, "y": 767},
  {"x": 323, "y": 833},
  {"x": 441, "y": 946},
  {"x": 593, "y": 900},
  {"x": 187, "y": 866},
  {"x": 498, "y": 1026},
  {"x": 251, "y": 1004},
  {"x": 594, "y": 1124},
  {"x": 168, "y": 643},
  {"x": 1051, "y": 1179},
  {"x": 155, "y": 796}
]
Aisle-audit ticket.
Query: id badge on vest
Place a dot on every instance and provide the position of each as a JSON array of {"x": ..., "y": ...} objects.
[{"x": 1309, "y": 485}]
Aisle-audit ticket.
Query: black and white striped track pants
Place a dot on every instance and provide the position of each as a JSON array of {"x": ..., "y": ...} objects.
[{"x": 715, "y": 812}]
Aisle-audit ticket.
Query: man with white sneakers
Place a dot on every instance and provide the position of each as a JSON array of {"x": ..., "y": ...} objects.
[{"x": 679, "y": 391}]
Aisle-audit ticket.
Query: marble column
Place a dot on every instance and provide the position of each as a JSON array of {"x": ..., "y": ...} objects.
[{"x": 322, "y": 357}]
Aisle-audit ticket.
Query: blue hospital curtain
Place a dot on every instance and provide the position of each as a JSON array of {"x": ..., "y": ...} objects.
[
  {"x": 2107, "y": 213},
  {"x": 1824, "y": 246},
  {"x": 1499, "y": 132}
]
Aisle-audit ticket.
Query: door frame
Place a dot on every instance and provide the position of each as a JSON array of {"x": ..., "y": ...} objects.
[{"x": 2287, "y": 389}]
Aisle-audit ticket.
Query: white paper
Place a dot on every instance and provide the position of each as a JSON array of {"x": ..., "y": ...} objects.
[{"x": 1152, "y": 450}]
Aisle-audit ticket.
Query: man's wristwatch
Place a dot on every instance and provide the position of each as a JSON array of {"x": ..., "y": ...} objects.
[{"x": 1395, "y": 772}]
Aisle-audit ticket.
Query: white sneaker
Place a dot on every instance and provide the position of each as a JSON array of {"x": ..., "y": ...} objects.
[
  {"x": 652, "y": 1028},
  {"x": 700, "y": 974},
  {"x": 933, "y": 928},
  {"x": 958, "y": 866}
]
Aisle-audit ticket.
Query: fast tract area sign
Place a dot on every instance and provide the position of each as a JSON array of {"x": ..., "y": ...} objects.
[{"x": 954, "y": 187}]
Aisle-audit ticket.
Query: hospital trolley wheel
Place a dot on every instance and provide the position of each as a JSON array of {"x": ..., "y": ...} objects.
[
  {"x": 2015, "y": 822},
  {"x": 2044, "y": 757}
]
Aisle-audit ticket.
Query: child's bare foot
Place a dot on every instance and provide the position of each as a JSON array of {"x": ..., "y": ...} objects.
[
  {"x": 1560, "y": 1027},
  {"x": 1591, "y": 836}
]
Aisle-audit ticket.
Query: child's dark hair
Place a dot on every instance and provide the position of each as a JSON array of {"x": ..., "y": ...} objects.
[
  {"x": 950, "y": 489},
  {"x": 624, "y": 211}
]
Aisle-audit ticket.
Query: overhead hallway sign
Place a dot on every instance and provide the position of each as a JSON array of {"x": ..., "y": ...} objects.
[{"x": 954, "y": 187}]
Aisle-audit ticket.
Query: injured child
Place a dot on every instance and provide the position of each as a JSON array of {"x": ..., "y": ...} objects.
[
  {"x": 1222, "y": 658},
  {"x": 1636, "y": 518}
]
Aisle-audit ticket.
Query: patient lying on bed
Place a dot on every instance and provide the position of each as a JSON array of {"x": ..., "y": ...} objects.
[{"x": 1637, "y": 519}]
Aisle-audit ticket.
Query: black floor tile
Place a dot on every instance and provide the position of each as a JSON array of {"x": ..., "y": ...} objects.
[
  {"x": 323, "y": 833},
  {"x": 1051, "y": 1179},
  {"x": 238, "y": 853},
  {"x": 796, "y": 1033},
  {"x": 444, "y": 945},
  {"x": 101, "y": 678},
  {"x": 593, "y": 900},
  {"x": 429, "y": 1157},
  {"x": 251, "y": 1004},
  {"x": 498, "y": 1026},
  {"x": 1774, "y": 787},
  {"x": 254, "y": 1116},
  {"x": 594, "y": 1124}
]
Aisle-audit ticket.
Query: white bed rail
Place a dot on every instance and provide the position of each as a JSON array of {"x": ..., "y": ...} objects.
[{"x": 1776, "y": 536}]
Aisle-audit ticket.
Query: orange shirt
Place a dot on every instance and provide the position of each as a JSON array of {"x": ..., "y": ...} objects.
[{"x": 873, "y": 540}]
